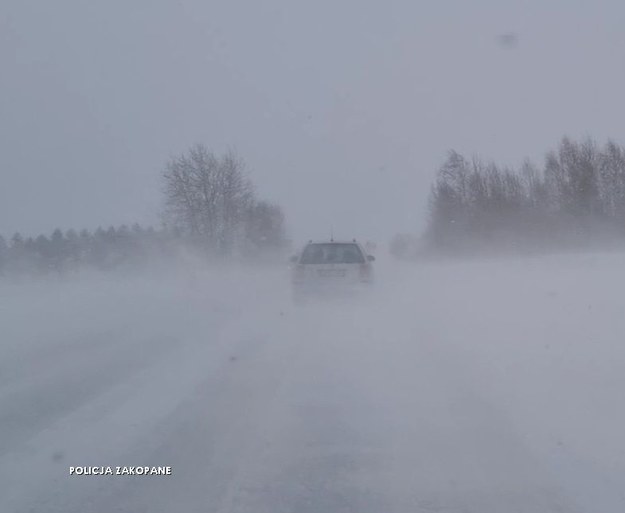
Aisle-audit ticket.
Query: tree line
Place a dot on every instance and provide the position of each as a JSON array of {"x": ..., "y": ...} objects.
[
  {"x": 102, "y": 249},
  {"x": 210, "y": 208},
  {"x": 576, "y": 199}
]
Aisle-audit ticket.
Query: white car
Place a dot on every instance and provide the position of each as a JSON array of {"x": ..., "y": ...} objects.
[{"x": 330, "y": 267}]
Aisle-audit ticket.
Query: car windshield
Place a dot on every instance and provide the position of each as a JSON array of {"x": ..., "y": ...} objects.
[{"x": 332, "y": 253}]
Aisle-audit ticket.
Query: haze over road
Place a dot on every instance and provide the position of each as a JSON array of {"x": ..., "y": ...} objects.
[{"x": 442, "y": 391}]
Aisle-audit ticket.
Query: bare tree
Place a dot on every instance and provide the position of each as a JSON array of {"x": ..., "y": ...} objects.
[
  {"x": 612, "y": 181},
  {"x": 207, "y": 197},
  {"x": 574, "y": 174},
  {"x": 264, "y": 226}
]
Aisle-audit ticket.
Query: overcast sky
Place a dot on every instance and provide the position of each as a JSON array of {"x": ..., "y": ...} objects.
[{"x": 341, "y": 109}]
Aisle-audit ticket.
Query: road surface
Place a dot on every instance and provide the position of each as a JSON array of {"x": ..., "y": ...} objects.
[{"x": 452, "y": 388}]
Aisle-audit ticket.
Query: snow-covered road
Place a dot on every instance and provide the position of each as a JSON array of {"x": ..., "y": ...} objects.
[{"x": 475, "y": 387}]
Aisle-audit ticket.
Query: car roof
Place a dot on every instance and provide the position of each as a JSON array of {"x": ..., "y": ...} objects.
[{"x": 332, "y": 241}]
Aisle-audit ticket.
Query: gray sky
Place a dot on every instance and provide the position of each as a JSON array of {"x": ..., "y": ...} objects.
[{"x": 342, "y": 110}]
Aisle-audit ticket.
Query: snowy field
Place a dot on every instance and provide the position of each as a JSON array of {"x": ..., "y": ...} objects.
[{"x": 460, "y": 387}]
